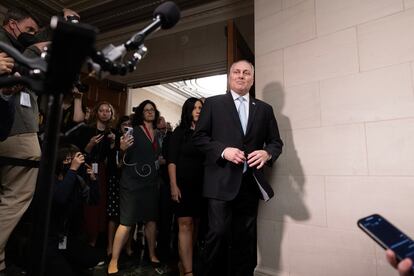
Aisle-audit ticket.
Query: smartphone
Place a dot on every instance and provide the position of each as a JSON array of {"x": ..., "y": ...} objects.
[
  {"x": 388, "y": 236},
  {"x": 128, "y": 130}
]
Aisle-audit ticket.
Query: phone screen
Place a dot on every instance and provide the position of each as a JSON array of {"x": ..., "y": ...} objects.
[{"x": 388, "y": 236}]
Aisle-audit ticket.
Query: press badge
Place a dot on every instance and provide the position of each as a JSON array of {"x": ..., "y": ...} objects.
[
  {"x": 95, "y": 168},
  {"x": 25, "y": 99},
  {"x": 63, "y": 241}
]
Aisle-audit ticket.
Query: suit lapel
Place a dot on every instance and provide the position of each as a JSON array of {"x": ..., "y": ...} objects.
[
  {"x": 252, "y": 113},
  {"x": 230, "y": 105}
]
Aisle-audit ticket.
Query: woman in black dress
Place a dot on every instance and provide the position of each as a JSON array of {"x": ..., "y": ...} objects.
[
  {"x": 97, "y": 140},
  {"x": 185, "y": 168},
  {"x": 122, "y": 142},
  {"x": 140, "y": 181}
]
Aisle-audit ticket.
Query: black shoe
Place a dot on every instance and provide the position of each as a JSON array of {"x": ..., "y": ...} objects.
[{"x": 158, "y": 267}]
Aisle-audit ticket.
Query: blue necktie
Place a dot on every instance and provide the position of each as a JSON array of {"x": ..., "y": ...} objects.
[
  {"x": 242, "y": 113},
  {"x": 243, "y": 121}
]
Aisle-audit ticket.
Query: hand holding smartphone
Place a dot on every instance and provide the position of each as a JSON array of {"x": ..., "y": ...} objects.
[
  {"x": 388, "y": 236},
  {"x": 128, "y": 131}
]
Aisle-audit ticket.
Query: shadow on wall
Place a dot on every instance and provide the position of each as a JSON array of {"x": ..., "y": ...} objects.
[{"x": 288, "y": 181}]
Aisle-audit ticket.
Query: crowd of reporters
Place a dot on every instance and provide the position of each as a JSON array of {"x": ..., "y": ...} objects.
[
  {"x": 107, "y": 181},
  {"x": 112, "y": 174}
]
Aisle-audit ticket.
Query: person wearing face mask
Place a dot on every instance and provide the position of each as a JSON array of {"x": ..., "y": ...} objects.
[
  {"x": 19, "y": 147},
  {"x": 6, "y": 108},
  {"x": 19, "y": 29}
]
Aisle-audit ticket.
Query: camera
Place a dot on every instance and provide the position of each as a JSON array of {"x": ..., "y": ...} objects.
[{"x": 81, "y": 86}]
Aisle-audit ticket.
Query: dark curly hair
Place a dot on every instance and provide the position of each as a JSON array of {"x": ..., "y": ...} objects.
[
  {"x": 187, "y": 112},
  {"x": 64, "y": 151},
  {"x": 138, "y": 118}
]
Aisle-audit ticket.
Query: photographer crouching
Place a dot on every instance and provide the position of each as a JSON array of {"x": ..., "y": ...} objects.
[{"x": 68, "y": 253}]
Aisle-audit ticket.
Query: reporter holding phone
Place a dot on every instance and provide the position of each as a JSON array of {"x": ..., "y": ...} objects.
[
  {"x": 97, "y": 140},
  {"x": 403, "y": 267},
  {"x": 388, "y": 236},
  {"x": 122, "y": 143},
  {"x": 139, "y": 186}
]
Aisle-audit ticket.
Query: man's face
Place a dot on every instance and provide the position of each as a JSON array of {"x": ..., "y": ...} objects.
[
  {"x": 27, "y": 25},
  {"x": 162, "y": 125},
  {"x": 241, "y": 77}
]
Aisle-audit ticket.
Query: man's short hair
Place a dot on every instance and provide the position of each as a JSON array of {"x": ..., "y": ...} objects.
[
  {"x": 19, "y": 14},
  {"x": 242, "y": 60}
]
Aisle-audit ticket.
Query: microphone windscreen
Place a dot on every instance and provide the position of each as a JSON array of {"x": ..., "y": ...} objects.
[{"x": 169, "y": 13}]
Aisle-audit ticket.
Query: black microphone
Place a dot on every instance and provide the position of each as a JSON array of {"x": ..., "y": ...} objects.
[{"x": 165, "y": 16}]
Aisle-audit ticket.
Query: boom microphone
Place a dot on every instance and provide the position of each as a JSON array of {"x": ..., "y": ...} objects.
[{"x": 165, "y": 16}]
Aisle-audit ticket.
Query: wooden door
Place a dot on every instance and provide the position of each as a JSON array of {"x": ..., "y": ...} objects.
[
  {"x": 106, "y": 90},
  {"x": 237, "y": 48}
]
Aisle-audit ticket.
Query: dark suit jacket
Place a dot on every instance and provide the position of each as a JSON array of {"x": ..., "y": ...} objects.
[{"x": 219, "y": 127}]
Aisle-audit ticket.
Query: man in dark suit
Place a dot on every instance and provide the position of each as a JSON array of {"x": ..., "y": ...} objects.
[{"x": 238, "y": 134}]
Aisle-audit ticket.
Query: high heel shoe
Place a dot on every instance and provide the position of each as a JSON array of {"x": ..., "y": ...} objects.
[
  {"x": 155, "y": 264},
  {"x": 157, "y": 267},
  {"x": 113, "y": 273}
]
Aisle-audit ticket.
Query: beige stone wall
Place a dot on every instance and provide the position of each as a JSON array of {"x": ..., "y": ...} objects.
[{"x": 339, "y": 75}]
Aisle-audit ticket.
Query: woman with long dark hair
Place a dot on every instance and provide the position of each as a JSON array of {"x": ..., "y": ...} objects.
[
  {"x": 185, "y": 168},
  {"x": 139, "y": 186}
]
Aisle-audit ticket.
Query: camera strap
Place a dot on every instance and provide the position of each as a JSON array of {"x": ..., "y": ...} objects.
[
  {"x": 11, "y": 161},
  {"x": 73, "y": 129}
]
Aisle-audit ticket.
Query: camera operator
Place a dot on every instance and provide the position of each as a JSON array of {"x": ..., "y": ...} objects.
[
  {"x": 6, "y": 64},
  {"x": 74, "y": 104},
  {"x": 75, "y": 187},
  {"x": 70, "y": 15},
  {"x": 19, "y": 141},
  {"x": 6, "y": 109},
  {"x": 74, "y": 110}
]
